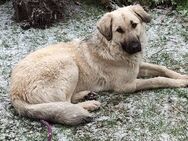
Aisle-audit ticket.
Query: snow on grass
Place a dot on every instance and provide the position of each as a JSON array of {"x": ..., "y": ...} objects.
[{"x": 147, "y": 115}]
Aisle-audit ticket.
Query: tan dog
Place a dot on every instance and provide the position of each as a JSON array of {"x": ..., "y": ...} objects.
[{"x": 49, "y": 83}]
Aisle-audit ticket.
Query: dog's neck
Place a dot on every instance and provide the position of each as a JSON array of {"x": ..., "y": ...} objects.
[{"x": 108, "y": 50}]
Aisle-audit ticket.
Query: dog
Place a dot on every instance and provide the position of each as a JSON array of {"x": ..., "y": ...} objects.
[{"x": 50, "y": 83}]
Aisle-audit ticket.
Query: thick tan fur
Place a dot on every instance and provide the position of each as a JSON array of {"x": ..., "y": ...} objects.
[{"x": 49, "y": 83}]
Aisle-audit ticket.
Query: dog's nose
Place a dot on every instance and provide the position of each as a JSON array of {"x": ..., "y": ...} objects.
[
  {"x": 131, "y": 47},
  {"x": 134, "y": 47}
]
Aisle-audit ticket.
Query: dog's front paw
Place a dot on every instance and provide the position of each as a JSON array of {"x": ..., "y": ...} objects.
[
  {"x": 183, "y": 77},
  {"x": 182, "y": 82}
]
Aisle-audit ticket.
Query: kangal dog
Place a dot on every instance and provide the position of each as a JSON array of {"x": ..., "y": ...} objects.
[{"x": 49, "y": 83}]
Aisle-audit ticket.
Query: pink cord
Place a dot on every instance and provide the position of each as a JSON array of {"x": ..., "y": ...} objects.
[{"x": 49, "y": 127}]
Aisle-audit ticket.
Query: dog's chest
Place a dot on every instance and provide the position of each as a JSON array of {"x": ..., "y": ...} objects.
[
  {"x": 106, "y": 77},
  {"x": 98, "y": 74},
  {"x": 124, "y": 74}
]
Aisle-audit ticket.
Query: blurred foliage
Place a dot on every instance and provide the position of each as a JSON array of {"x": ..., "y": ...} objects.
[
  {"x": 180, "y": 5},
  {"x": 151, "y": 3}
]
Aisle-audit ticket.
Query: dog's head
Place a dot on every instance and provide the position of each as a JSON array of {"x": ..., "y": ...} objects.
[{"x": 124, "y": 27}]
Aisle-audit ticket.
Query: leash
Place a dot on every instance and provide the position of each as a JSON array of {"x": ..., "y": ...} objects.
[{"x": 49, "y": 127}]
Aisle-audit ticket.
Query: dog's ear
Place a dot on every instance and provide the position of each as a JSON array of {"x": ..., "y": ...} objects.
[
  {"x": 141, "y": 13},
  {"x": 104, "y": 25}
]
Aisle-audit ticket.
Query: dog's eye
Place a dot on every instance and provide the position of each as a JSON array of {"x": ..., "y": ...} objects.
[
  {"x": 120, "y": 30},
  {"x": 133, "y": 24}
]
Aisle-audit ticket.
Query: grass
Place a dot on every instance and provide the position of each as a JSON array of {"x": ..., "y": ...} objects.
[{"x": 147, "y": 115}]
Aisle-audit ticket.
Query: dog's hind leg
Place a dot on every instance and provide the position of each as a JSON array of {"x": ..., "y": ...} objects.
[
  {"x": 152, "y": 70},
  {"x": 83, "y": 95},
  {"x": 50, "y": 98},
  {"x": 90, "y": 105}
]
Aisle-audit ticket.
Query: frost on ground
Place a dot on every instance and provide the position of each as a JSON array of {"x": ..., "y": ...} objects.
[{"x": 146, "y": 115}]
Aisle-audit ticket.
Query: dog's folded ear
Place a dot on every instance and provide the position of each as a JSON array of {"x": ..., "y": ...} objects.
[
  {"x": 104, "y": 25},
  {"x": 141, "y": 13}
]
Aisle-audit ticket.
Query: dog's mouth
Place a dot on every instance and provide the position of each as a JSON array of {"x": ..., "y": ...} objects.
[{"x": 132, "y": 47}]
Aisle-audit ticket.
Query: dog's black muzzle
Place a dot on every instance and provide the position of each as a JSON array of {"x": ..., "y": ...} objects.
[{"x": 132, "y": 47}]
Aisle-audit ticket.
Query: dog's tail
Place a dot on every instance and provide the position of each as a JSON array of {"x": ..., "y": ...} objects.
[{"x": 60, "y": 112}]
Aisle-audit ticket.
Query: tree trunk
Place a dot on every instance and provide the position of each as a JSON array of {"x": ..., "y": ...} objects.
[
  {"x": 2, "y": 1},
  {"x": 40, "y": 13}
]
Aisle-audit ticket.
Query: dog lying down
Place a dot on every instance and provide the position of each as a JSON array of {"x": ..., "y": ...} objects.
[{"x": 49, "y": 83}]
